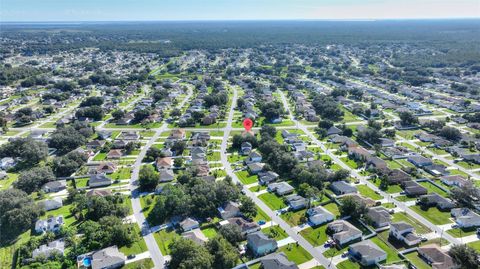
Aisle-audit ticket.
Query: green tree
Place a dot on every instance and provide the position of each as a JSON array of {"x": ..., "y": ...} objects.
[
  {"x": 187, "y": 254},
  {"x": 148, "y": 178},
  {"x": 248, "y": 207},
  {"x": 464, "y": 256},
  {"x": 224, "y": 254}
]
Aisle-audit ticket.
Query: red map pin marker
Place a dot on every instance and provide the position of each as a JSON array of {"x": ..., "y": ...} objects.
[{"x": 247, "y": 124}]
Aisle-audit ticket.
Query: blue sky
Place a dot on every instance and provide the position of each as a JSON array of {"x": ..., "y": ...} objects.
[{"x": 125, "y": 10}]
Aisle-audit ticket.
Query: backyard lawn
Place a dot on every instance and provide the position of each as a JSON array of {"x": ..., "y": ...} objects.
[
  {"x": 432, "y": 188},
  {"x": 137, "y": 247},
  {"x": 295, "y": 253},
  {"x": 164, "y": 238},
  {"x": 275, "y": 232},
  {"x": 332, "y": 208},
  {"x": 293, "y": 218},
  {"x": 209, "y": 232},
  {"x": 419, "y": 227},
  {"x": 316, "y": 236},
  {"x": 245, "y": 177},
  {"x": 367, "y": 192},
  {"x": 272, "y": 201},
  {"x": 434, "y": 215},
  {"x": 417, "y": 261}
]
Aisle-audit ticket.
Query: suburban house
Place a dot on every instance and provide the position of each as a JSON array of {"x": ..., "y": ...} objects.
[
  {"x": 54, "y": 186},
  {"x": 267, "y": 177},
  {"x": 454, "y": 180},
  {"x": 465, "y": 217},
  {"x": 369, "y": 202},
  {"x": 95, "y": 144},
  {"x": 52, "y": 224},
  {"x": 318, "y": 216},
  {"x": 378, "y": 216},
  {"x": 246, "y": 148},
  {"x": 367, "y": 253},
  {"x": 196, "y": 236},
  {"x": 166, "y": 175},
  {"x": 419, "y": 160},
  {"x": 229, "y": 210},
  {"x": 255, "y": 168},
  {"x": 253, "y": 157},
  {"x": 296, "y": 202},
  {"x": 245, "y": 226},
  {"x": 397, "y": 176},
  {"x": 189, "y": 224},
  {"x": 163, "y": 163},
  {"x": 280, "y": 188},
  {"x": 260, "y": 244},
  {"x": 107, "y": 258},
  {"x": 412, "y": 188},
  {"x": 53, "y": 203},
  {"x": 436, "y": 257},
  {"x": 404, "y": 232},
  {"x": 106, "y": 168},
  {"x": 56, "y": 247},
  {"x": 97, "y": 192},
  {"x": 343, "y": 232},
  {"x": 99, "y": 180},
  {"x": 342, "y": 187},
  {"x": 434, "y": 199},
  {"x": 114, "y": 154},
  {"x": 277, "y": 261}
]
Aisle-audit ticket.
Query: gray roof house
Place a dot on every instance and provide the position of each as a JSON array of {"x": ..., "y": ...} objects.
[
  {"x": 367, "y": 253},
  {"x": 434, "y": 199},
  {"x": 189, "y": 224},
  {"x": 419, "y": 160},
  {"x": 412, "y": 188},
  {"x": 280, "y": 188},
  {"x": 277, "y": 261},
  {"x": 342, "y": 187},
  {"x": 318, "y": 216},
  {"x": 108, "y": 258},
  {"x": 267, "y": 177},
  {"x": 99, "y": 180},
  {"x": 343, "y": 232},
  {"x": 166, "y": 175},
  {"x": 260, "y": 244},
  {"x": 296, "y": 202},
  {"x": 54, "y": 247},
  {"x": 53, "y": 203},
  {"x": 465, "y": 217},
  {"x": 404, "y": 232},
  {"x": 54, "y": 186},
  {"x": 378, "y": 217},
  {"x": 229, "y": 210}
]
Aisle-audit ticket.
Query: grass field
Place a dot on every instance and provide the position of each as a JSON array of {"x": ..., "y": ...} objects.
[
  {"x": 164, "y": 238},
  {"x": 316, "y": 236},
  {"x": 348, "y": 264},
  {"x": 261, "y": 215},
  {"x": 432, "y": 188},
  {"x": 392, "y": 254},
  {"x": 272, "y": 201},
  {"x": 137, "y": 247},
  {"x": 417, "y": 261},
  {"x": 275, "y": 232},
  {"x": 245, "y": 177},
  {"x": 419, "y": 227},
  {"x": 141, "y": 264},
  {"x": 209, "y": 232},
  {"x": 367, "y": 192},
  {"x": 458, "y": 232},
  {"x": 434, "y": 215},
  {"x": 332, "y": 208},
  {"x": 295, "y": 253},
  {"x": 293, "y": 218}
]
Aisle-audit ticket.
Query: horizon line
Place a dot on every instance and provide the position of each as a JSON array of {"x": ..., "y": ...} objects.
[{"x": 250, "y": 20}]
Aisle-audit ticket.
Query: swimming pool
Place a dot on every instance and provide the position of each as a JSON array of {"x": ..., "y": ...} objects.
[{"x": 87, "y": 262}]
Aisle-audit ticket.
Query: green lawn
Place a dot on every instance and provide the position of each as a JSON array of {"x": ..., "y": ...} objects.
[
  {"x": 434, "y": 215},
  {"x": 141, "y": 264},
  {"x": 272, "y": 201},
  {"x": 164, "y": 238},
  {"x": 367, "y": 192},
  {"x": 293, "y": 218},
  {"x": 417, "y": 261},
  {"x": 7, "y": 251},
  {"x": 245, "y": 177},
  {"x": 392, "y": 254},
  {"x": 332, "y": 252},
  {"x": 261, "y": 215},
  {"x": 475, "y": 245},
  {"x": 100, "y": 156},
  {"x": 458, "y": 232},
  {"x": 419, "y": 227},
  {"x": 332, "y": 208},
  {"x": 65, "y": 212},
  {"x": 6, "y": 183},
  {"x": 258, "y": 188},
  {"x": 316, "y": 236},
  {"x": 137, "y": 247},
  {"x": 432, "y": 188},
  {"x": 209, "y": 232},
  {"x": 275, "y": 232},
  {"x": 404, "y": 198},
  {"x": 295, "y": 253},
  {"x": 348, "y": 264},
  {"x": 351, "y": 163},
  {"x": 121, "y": 173}
]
